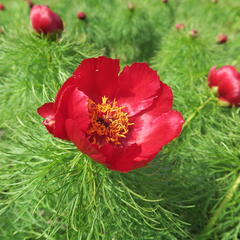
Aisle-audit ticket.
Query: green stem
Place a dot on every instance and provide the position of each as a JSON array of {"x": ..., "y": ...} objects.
[
  {"x": 189, "y": 119},
  {"x": 230, "y": 193}
]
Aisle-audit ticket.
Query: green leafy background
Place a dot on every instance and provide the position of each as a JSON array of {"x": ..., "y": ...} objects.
[{"x": 49, "y": 190}]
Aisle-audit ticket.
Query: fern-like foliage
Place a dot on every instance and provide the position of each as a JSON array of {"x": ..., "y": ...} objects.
[{"x": 49, "y": 190}]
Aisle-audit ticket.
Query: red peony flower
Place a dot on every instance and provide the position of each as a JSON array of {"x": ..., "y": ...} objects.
[
  {"x": 226, "y": 83},
  {"x": 45, "y": 21},
  {"x": 119, "y": 120}
]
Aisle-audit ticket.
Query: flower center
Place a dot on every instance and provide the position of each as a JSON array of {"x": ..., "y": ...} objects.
[{"x": 108, "y": 123}]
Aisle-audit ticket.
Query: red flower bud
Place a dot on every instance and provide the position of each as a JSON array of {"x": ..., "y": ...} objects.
[
  {"x": 45, "y": 21},
  {"x": 179, "y": 26},
  {"x": 225, "y": 82},
  {"x": 81, "y": 15},
  {"x": 165, "y": 1},
  {"x": 194, "y": 33},
  {"x": 2, "y": 7},
  {"x": 121, "y": 120},
  {"x": 222, "y": 38}
]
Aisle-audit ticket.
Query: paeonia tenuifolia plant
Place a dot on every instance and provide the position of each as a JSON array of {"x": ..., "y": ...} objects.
[{"x": 119, "y": 120}]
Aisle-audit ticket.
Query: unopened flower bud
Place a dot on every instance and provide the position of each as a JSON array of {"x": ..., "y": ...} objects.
[
  {"x": 165, "y": 1},
  {"x": 194, "y": 33},
  {"x": 179, "y": 26},
  {"x": 215, "y": 1},
  {"x": 222, "y": 38},
  {"x": 45, "y": 21},
  {"x": 225, "y": 83},
  {"x": 2, "y": 7},
  {"x": 81, "y": 15}
]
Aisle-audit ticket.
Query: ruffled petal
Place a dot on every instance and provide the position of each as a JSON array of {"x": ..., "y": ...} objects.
[
  {"x": 72, "y": 104},
  {"x": 78, "y": 137},
  {"x": 163, "y": 103},
  {"x": 138, "y": 87},
  {"x": 152, "y": 132},
  {"x": 98, "y": 77}
]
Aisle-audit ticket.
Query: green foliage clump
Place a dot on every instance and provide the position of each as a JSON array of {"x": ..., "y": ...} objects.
[{"x": 49, "y": 190}]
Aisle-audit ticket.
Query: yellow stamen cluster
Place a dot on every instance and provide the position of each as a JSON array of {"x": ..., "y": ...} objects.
[{"x": 108, "y": 122}]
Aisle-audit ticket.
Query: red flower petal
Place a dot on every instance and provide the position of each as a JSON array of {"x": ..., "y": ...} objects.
[
  {"x": 73, "y": 104},
  {"x": 63, "y": 101},
  {"x": 152, "y": 132},
  {"x": 164, "y": 101},
  {"x": 80, "y": 140},
  {"x": 53, "y": 122},
  {"x": 78, "y": 108},
  {"x": 121, "y": 158},
  {"x": 97, "y": 77},
  {"x": 212, "y": 77},
  {"x": 138, "y": 87},
  {"x": 59, "y": 128},
  {"x": 70, "y": 82},
  {"x": 47, "y": 110}
]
